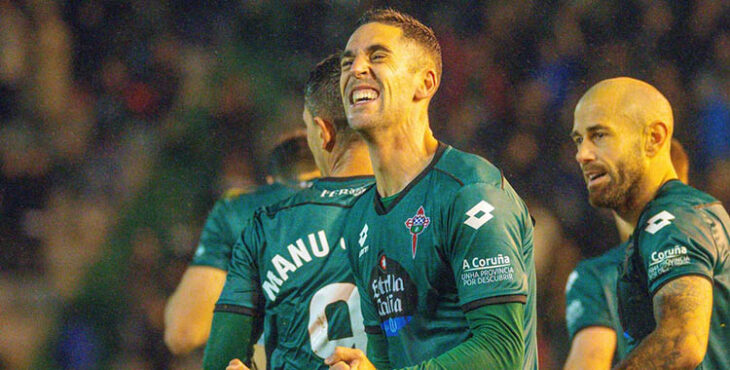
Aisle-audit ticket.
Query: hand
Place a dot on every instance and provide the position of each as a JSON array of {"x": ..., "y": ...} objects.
[
  {"x": 236, "y": 364},
  {"x": 348, "y": 358}
]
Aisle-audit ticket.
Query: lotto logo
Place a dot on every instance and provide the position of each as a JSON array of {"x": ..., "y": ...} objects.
[
  {"x": 363, "y": 235},
  {"x": 658, "y": 222},
  {"x": 479, "y": 215}
]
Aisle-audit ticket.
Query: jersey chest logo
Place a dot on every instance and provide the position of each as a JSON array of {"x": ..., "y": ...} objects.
[{"x": 416, "y": 225}]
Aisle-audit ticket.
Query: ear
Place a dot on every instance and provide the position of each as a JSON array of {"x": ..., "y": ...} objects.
[
  {"x": 657, "y": 138},
  {"x": 429, "y": 83},
  {"x": 326, "y": 132}
]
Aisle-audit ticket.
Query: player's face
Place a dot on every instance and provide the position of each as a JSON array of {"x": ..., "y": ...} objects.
[
  {"x": 609, "y": 154},
  {"x": 378, "y": 80},
  {"x": 314, "y": 139}
]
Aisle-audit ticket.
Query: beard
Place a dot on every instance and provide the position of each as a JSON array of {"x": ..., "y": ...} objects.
[{"x": 623, "y": 188}]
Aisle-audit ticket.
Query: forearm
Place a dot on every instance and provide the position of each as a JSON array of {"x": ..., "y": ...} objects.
[
  {"x": 663, "y": 349},
  {"x": 189, "y": 311},
  {"x": 185, "y": 331},
  {"x": 592, "y": 348},
  {"x": 230, "y": 337},
  {"x": 682, "y": 308},
  {"x": 496, "y": 343}
]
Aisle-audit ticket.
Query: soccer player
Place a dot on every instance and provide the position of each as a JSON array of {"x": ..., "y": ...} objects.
[
  {"x": 442, "y": 247},
  {"x": 289, "y": 273},
  {"x": 591, "y": 314},
  {"x": 189, "y": 310},
  {"x": 674, "y": 283}
]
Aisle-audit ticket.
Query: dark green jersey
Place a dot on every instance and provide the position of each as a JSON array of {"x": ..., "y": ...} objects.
[
  {"x": 456, "y": 238},
  {"x": 223, "y": 226},
  {"x": 290, "y": 267},
  {"x": 682, "y": 231},
  {"x": 590, "y": 296}
]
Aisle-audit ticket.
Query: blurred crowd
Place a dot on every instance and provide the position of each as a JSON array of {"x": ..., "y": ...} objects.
[{"x": 121, "y": 122}]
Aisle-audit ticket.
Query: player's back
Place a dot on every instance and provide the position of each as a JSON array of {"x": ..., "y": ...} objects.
[
  {"x": 225, "y": 221},
  {"x": 309, "y": 300}
]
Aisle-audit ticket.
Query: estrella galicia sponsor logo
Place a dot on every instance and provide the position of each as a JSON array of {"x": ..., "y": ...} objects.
[
  {"x": 394, "y": 295},
  {"x": 478, "y": 270},
  {"x": 663, "y": 261}
]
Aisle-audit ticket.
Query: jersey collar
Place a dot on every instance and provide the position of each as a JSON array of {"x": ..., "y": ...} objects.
[{"x": 380, "y": 209}]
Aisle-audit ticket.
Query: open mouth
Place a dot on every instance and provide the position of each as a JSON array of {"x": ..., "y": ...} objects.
[
  {"x": 596, "y": 177},
  {"x": 363, "y": 95}
]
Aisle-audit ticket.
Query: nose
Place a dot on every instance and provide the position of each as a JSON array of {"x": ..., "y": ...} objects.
[
  {"x": 585, "y": 153},
  {"x": 360, "y": 66}
]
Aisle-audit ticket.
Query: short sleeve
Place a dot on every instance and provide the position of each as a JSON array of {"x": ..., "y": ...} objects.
[
  {"x": 585, "y": 301},
  {"x": 216, "y": 240},
  {"x": 675, "y": 243},
  {"x": 486, "y": 232},
  {"x": 243, "y": 283}
]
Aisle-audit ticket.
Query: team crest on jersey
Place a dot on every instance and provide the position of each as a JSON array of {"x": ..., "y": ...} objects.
[{"x": 416, "y": 225}]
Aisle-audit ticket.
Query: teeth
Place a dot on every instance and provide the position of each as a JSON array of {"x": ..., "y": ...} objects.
[{"x": 363, "y": 95}]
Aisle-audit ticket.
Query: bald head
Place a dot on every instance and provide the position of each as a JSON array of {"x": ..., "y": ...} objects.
[{"x": 630, "y": 100}]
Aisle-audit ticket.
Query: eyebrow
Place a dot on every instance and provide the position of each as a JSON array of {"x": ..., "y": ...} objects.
[
  {"x": 594, "y": 128},
  {"x": 370, "y": 49}
]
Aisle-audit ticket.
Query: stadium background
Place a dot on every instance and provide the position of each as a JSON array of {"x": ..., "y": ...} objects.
[{"x": 121, "y": 122}]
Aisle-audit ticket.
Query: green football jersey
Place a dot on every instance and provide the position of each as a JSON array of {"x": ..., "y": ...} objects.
[
  {"x": 590, "y": 297},
  {"x": 225, "y": 222},
  {"x": 290, "y": 268},
  {"x": 456, "y": 238},
  {"x": 682, "y": 231}
]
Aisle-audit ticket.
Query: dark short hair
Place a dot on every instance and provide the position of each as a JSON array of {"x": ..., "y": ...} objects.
[
  {"x": 412, "y": 29},
  {"x": 322, "y": 93},
  {"x": 291, "y": 158}
]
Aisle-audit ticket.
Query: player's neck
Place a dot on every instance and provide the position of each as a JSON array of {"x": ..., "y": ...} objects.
[
  {"x": 652, "y": 181},
  {"x": 352, "y": 161},
  {"x": 399, "y": 153}
]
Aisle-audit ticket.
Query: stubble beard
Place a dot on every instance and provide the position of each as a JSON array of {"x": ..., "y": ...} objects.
[{"x": 621, "y": 192}]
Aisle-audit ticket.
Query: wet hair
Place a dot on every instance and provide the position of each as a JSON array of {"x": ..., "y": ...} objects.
[
  {"x": 412, "y": 29},
  {"x": 322, "y": 93},
  {"x": 291, "y": 158}
]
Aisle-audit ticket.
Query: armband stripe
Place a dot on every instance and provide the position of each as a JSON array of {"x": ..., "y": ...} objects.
[
  {"x": 494, "y": 300},
  {"x": 373, "y": 330},
  {"x": 236, "y": 309}
]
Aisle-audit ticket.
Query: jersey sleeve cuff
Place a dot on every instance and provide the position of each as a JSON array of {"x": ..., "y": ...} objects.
[
  {"x": 373, "y": 330},
  {"x": 232, "y": 308},
  {"x": 219, "y": 265},
  {"x": 659, "y": 283},
  {"x": 519, "y": 298}
]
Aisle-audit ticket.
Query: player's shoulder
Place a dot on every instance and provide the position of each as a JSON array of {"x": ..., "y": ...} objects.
[
  {"x": 341, "y": 192},
  {"x": 676, "y": 207},
  {"x": 677, "y": 195},
  {"x": 467, "y": 168}
]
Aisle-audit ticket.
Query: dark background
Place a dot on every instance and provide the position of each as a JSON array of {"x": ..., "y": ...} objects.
[{"x": 121, "y": 122}]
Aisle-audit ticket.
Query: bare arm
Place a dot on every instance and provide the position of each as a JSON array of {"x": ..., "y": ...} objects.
[
  {"x": 592, "y": 348},
  {"x": 682, "y": 309},
  {"x": 189, "y": 311}
]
